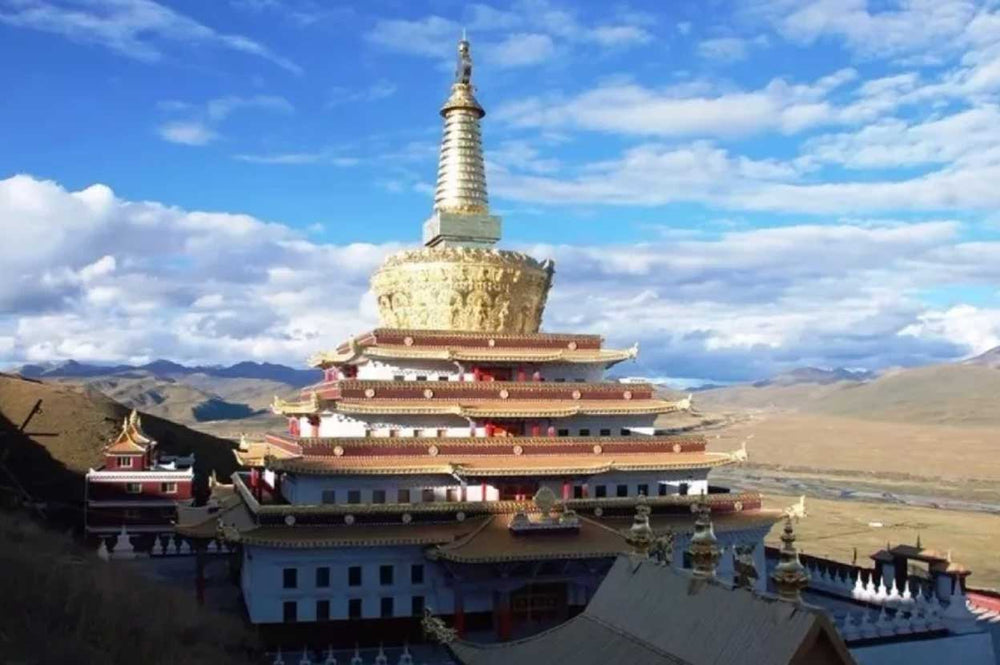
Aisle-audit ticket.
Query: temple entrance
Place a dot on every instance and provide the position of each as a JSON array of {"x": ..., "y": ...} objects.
[
  {"x": 539, "y": 606},
  {"x": 521, "y": 491}
]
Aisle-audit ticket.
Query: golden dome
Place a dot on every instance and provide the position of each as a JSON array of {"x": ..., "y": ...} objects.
[{"x": 462, "y": 288}]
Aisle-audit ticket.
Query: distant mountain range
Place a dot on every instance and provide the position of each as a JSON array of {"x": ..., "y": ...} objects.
[
  {"x": 183, "y": 394},
  {"x": 72, "y": 369}
]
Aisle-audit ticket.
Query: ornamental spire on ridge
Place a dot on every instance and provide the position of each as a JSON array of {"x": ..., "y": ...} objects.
[{"x": 461, "y": 214}]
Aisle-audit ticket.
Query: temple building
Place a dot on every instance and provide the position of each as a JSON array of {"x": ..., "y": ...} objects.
[
  {"x": 137, "y": 490},
  {"x": 456, "y": 457}
]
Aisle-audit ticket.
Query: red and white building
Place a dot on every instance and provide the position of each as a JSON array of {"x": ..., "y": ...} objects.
[{"x": 136, "y": 489}]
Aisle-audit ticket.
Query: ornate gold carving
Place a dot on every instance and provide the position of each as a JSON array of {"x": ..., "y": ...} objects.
[
  {"x": 408, "y": 341},
  {"x": 428, "y": 393},
  {"x": 627, "y": 394},
  {"x": 491, "y": 342},
  {"x": 598, "y": 450},
  {"x": 348, "y": 520},
  {"x": 504, "y": 394},
  {"x": 577, "y": 394},
  {"x": 572, "y": 346},
  {"x": 462, "y": 288},
  {"x": 460, "y": 516},
  {"x": 290, "y": 520},
  {"x": 677, "y": 448},
  {"x": 518, "y": 450},
  {"x": 407, "y": 518},
  {"x": 433, "y": 451},
  {"x": 338, "y": 451},
  {"x": 369, "y": 392}
]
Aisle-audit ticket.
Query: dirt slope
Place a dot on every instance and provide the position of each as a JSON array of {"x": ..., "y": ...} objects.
[{"x": 66, "y": 435}]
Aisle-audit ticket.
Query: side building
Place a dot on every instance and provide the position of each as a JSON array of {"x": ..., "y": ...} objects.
[{"x": 136, "y": 489}]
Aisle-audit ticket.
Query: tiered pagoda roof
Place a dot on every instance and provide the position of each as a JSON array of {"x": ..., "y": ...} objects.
[
  {"x": 131, "y": 439},
  {"x": 493, "y": 456},
  {"x": 452, "y": 345},
  {"x": 478, "y": 399}
]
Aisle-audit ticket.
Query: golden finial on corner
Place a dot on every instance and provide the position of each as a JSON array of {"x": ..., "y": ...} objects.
[
  {"x": 746, "y": 574},
  {"x": 789, "y": 576},
  {"x": 640, "y": 534},
  {"x": 704, "y": 546}
]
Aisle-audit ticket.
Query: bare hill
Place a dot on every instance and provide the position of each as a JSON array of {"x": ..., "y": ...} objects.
[
  {"x": 66, "y": 435},
  {"x": 957, "y": 395},
  {"x": 989, "y": 359}
]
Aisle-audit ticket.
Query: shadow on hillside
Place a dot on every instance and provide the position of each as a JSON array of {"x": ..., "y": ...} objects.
[{"x": 29, "y": 466}]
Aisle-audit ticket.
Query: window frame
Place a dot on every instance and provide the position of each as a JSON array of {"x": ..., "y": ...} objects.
[
  {"x": 289, "y": 617},
  {"x": 165, "y": 488},
  {"x": 129, "y": 488},
  {"x": 351, "y": 570},
  {"x": 322, "y": 610},
  {"x": 387, "y": 602},
  {"x": 386, "y": 571},
  {"x": 289, "y": 578},
  {"x": 120, "y": 459},
  {"x": 322, "y": 577}
]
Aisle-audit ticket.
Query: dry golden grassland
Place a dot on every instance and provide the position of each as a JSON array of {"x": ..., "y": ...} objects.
[
  {"x": 62, "y": 604},
  {"x": 834, "y": 528},
  {"x": 819, "y": 442}
]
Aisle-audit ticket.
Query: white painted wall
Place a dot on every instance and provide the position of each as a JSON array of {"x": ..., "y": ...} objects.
[{"x": 263, "y": 592}]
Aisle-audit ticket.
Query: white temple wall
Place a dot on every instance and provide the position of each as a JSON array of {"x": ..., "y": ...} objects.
[
  {"x": 337, "y": 425},
  {"x": 263, "y": 577},
  {"x": 314, "y": 490},
  {"x": 441, "y": 370}
]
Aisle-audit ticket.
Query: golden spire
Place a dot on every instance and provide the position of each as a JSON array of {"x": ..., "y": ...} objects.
[
  {"x": 461, "y": 208},
  {"x": 704, "y": 547},
  {"x": 640, "y": 535},
  {"x": 789, "y": 575}
]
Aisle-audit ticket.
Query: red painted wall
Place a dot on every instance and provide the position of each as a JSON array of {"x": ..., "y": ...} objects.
[{"x": 150, "y": 490}]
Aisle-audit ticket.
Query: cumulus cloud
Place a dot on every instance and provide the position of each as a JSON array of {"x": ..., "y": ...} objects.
[
  {"x": 135, "y": 28},
  {"x": 111, "y": 279},
  {"x": 116, "y": 280},
  {"x": 686, "y": 110}
]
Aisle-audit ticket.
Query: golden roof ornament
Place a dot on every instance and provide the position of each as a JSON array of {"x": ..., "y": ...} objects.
[
  {"x": 640, "y": 534},
  {"x": 789, "y": 575},
  {"x": 458, "y": 281},
  {"x": 704, "y": 546}
]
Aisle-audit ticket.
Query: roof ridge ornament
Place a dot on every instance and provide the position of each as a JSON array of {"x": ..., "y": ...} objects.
[{"x": 790, "y": 576}]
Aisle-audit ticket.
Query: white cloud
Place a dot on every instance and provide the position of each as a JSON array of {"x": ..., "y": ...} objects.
[
  {"x": 685, "y": 110},
  {"x": 134, "y": 28},
  {"x": 520, "y": 50},
  {"x": 117, "y": 280},
  {"x": 430, "y": 36},
  {"x": 187, "y": 132},
  {"x": 978, "y": 330},
  {"x": 199, "y": 128},
  {"x": 903, "y": 28},
  {"x": 729, "y": 49}
]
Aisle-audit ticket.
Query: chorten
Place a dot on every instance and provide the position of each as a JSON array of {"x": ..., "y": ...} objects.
[{"x": 458, "y": 280}]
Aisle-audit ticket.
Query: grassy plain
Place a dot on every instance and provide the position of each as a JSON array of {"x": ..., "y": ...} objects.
[{"x": 834, "y": 528}]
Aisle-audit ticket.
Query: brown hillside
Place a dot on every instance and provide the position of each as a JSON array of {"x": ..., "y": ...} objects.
[
  {"x": 954, "y": 395},
  {"x": 65, "y": 438},
  {"x": 64, "y": 605}
]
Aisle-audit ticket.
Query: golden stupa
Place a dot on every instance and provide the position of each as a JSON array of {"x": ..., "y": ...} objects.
[{"x": 458, "y": 280}]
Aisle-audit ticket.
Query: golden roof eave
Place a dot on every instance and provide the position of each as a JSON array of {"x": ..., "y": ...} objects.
[
  {"x": 459, "y": 354},
  {"x": 501, "y": 466}
]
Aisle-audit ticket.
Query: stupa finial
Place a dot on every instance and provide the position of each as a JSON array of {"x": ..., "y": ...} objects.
[
  {"x": 461, "y": 208},
  {"x": 789, "y": 575},
  {"x": 704, "y": 546}
]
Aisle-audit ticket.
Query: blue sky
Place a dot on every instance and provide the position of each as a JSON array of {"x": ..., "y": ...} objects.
[{"x": 741, "y": 186}]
